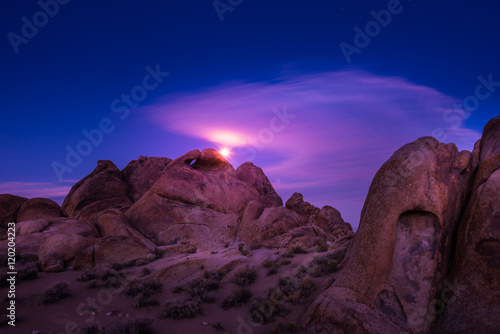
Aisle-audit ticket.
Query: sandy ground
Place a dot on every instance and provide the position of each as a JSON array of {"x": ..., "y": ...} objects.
[{"x": 68, "y": 315}]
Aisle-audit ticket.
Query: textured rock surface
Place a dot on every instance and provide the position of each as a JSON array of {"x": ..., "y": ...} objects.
[
  {"x": 199, "y": 198},
  {"x": 327, "y": 218},
  {"x": 472, "y": 292},
  {"x": 9, "y": 208},
  {"x": 113, "y": 222},
  {"x": 398, "y": 259},
  {"x": 141, "y": 174},
  {"x": 118, "y": 249},
  {"x": 100, "y": 190},
  {"x": 36, "y": 208}
]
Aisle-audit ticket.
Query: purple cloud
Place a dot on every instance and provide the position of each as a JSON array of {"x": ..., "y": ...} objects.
[
  {"x": 340, "y": 128},
  {"x": 35, "y": 189}
]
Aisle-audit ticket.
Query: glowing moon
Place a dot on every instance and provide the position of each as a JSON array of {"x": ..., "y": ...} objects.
[{"x": 224, "y": 152}]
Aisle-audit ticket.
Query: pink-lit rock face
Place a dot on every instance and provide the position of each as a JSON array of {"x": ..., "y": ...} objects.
[
  {"x": 142, "y": 173},
  {"x": 100, "y": 190},
  {"x": 199, "y": 198},
  {"x": 475, "y": 279},
  {"x": 398, "y": 259}
]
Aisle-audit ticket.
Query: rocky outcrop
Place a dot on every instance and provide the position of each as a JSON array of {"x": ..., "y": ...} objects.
[
  {"x": 113, "y": 222},
  {"x": 117, "y": 249},
  {"x": 101, "y": 190},
  {"x": 327, "y": 218},
  {"x": 9, "y": 208},
  {"x": 399, "y": 257},
  {"x": 199, "y": 198},
  {"x": 36, "y": 208},
  {"x": 254, "y": 176},
  {"x": 141, "y": 174},
  {"x": 471, "y": 295}
]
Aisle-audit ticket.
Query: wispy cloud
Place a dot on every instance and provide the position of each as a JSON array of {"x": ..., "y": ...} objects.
[
  {"x": 346, "y": 125},
  {"x": 35, "y": 189}
]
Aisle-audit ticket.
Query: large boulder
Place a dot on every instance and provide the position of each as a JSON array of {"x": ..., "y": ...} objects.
[
  {"x": 255, "y": 176},
  {"x": 399, "y": 257},
  {"x": 9, "y": 208},
  {"x": 207, "y": 180},
  {"x": 36, "y": 208},
  {"x": 101, "y": 190},
  {"x": 113, "y": 222},
  {"x": 117, "y": 249},
  {"x": 471, "y": 296},
  {"x": 327, "y": 218},
  {"x": 199, "y": 198},
  {"x": 142, "y": 173},
  {"x": 261, "y": 226}
]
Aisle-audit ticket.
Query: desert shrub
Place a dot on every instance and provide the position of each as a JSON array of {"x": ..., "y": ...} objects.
[
  {"x": 264, "y": 311},
  {"x": 289, "y": 254},
  {"x": 236, "y": 298},
  {"x": 177, "y": 289},
  {"x": 92, "y": 284},
  {"x": 144, "y": 301},
  {"x": 113, "y": 282},
  {"x": 180, "y": 309},
  {"x": 245, "y": 277},
  {"x": 218, "y": 326},
  {"x": 285, "y": 328},
  {"x": 28, "y": 271},
  {"x": 241, "y": 248},
  {"x": 124, "y": 326},
  {"x": 295, "y": 290},
  {"x": 201, "y": 288},
  {"x": 55, "y": 292},
  {"x": 325, "y": 264},
  {"x": 284, "y": 262},
  {"x": 272, "y": 266},
  {"x": 145, "y": 271},
  {"x": 302, "y": 272},
  {"x": 159, "y": 253},
  {"x": 144, "y": 290},
  {"x": 86, "y": 275}
]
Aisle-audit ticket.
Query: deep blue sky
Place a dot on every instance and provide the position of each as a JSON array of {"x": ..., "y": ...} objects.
[{"x": 64, "y": 79}]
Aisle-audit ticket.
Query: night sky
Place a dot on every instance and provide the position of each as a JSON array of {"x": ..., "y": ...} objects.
[{"x": 317, "y": 93}]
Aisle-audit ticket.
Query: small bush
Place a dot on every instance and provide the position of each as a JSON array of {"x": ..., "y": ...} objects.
[
  {"x": 284, "y": 262},
  {"x": 146, "y": 301},
  {"x": 241, "y": 248},
  {"x": 177, "y": 289},
  {"x": 263, "y": 310},
  {"x": 145, "y": 271},
  {"x": 180, "y": 309},
  {"x": 218, "y": 326},
  {"x": 28, "y": 271},
  {"x": 159, "y": 253},
  {"x": 237, "y": 298},
  {"x": 55, "y": 292},
  {"x": 288, "y": 254},
  {"x": 200, "y": 289},
  {"x": 144, "y": 290},
  {"x": 323, "y": 265},
  {"x": 86, "y": 276},
  {"x": 245, "y": 277}
]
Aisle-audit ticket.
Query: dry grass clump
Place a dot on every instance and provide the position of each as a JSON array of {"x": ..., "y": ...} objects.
[
  {"x": 236, "y": 298},
  {"x": 245, "y": 277},
  {"x": 55, "y": 292},
  {"x": 180, "y": 309},
  {"x": 125, "y": 326}
]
